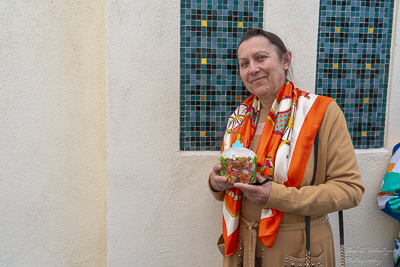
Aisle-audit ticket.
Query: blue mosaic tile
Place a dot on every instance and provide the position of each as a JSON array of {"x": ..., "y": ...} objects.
[
  {"x": 354, "y": 41},
  {"x": 211, "y": 88}
]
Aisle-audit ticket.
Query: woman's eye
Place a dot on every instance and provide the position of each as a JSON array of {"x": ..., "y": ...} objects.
[
  {"x": 261, "y": 57},
  {"x": 243, "y": 65}
]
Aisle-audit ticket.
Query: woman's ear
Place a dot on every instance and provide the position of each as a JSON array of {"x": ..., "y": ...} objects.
[{"x": 287, "y": 60}]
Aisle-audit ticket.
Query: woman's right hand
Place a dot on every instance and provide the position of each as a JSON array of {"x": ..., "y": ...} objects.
[{"x": 218, "y": 182}]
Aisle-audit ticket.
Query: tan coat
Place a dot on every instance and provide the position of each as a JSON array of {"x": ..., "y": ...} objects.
[{"x": 337, "y": 187}]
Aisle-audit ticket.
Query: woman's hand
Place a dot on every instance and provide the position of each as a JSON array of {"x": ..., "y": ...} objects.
[
  {"x": 218, "y": 182},
  {"x": 258, "y": 194}
]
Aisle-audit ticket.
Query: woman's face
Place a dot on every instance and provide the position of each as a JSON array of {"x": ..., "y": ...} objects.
[{"x": 261, "y": 68}]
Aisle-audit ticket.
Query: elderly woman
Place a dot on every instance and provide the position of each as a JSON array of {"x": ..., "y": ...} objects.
[{"x": 264, "y": 225}]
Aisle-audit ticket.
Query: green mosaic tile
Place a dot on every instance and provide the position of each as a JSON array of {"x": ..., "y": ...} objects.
[
  {"x": 210, "y": 85},
  {"x": 354, "y": 40}
]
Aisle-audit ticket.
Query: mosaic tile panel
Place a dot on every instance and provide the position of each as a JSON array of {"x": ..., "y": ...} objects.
[
  {"x": 211, "y": 88},
  {"x": 353, "y": 64}
]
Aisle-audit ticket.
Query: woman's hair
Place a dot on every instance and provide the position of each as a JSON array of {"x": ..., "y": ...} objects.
[{"x": 272, "y": 37}]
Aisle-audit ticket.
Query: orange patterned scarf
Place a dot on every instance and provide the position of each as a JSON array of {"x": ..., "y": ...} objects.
[{"x": 282, "y": 154}]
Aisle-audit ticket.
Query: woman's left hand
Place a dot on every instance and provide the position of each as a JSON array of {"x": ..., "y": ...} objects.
[{"x": 258, "y": 194}]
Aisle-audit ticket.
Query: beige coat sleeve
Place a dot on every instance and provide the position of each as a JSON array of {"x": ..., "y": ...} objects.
[{"x": 338, "y": 180}]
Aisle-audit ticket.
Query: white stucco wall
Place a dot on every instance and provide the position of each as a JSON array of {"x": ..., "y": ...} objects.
[{"x": 52, "y": 133}]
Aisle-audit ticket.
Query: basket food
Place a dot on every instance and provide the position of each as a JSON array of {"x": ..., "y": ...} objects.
[{"x": 239, "y": 164}]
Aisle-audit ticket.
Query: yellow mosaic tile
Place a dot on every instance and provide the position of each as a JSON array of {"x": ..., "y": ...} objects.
[
  {"x": 357, "y": 35},
  {"x": 210, "y": 31}
]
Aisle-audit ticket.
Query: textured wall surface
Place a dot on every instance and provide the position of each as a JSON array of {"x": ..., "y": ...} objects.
[{"x": 52, "y": 133}]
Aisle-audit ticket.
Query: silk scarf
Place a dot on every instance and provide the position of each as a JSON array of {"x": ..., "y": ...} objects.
[{"x": 282, "y": 154}]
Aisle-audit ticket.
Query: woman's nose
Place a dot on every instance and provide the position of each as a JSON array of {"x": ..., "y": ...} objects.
[{"x": 253, "y": 68}]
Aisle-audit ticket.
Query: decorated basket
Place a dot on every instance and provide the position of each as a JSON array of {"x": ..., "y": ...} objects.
[{"x": 239, "y": 164}]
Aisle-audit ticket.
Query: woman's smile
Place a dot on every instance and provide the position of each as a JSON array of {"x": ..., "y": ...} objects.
[{"x": 257, "y": 80}]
